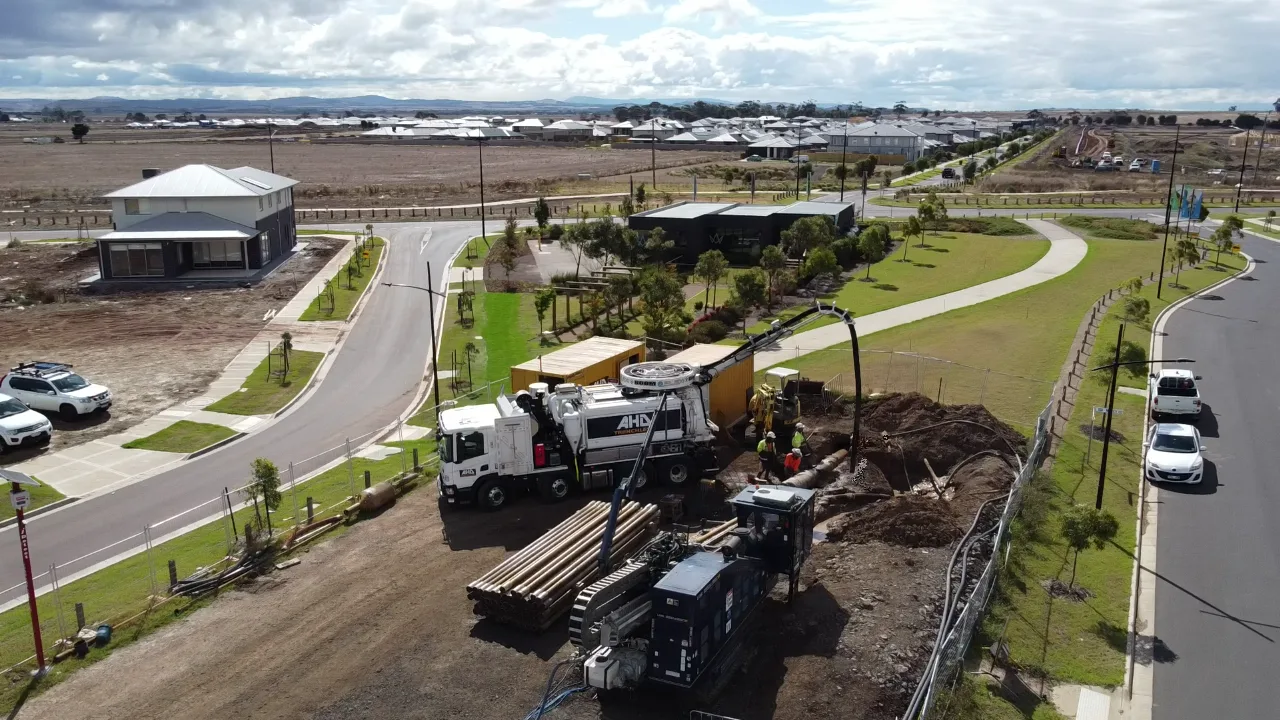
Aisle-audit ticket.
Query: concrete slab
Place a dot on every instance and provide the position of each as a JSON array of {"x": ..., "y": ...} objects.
[
  {"x": 413, "y": 432},
  {"x": 175, "y": 413},
  {"x": 1094, "y": 704},
  {"x": 247, "y": 424},
  {"x": 85, "y": 451},
  {"x": 1131, "y": 390},
  {"x": 460, "y": 274},
  {"x": 378, "y": 452},
  {"x": 131, "y": 462}
]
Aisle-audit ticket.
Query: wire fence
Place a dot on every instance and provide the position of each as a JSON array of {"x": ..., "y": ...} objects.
[
  {"x": 126, "y": 580},
  {"x": 958, "y": 627}
]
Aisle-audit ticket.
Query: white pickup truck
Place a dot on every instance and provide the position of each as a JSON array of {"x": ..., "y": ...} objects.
[{"x": 1174, "y": 392}]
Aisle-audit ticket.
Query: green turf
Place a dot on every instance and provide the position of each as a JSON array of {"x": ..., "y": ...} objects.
[
  {"x": 948, "y": 262},
  {"x": 346, "y": 289},
  {"x": 183, "y": 436},
  {"x": 328, "y": 232},
  {"x": 263, "y": 395},
  {"x": 1085, "y": 642},
  {"x": 976, "y": 698},
  {"x": 1110, "y": 228},
  {"x": 40, "y": 496}
]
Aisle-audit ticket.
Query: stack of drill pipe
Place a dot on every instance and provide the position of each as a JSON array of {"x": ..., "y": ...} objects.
[
  {"x": 714, "y": 535},
  {"x": 536, "y": 585}
]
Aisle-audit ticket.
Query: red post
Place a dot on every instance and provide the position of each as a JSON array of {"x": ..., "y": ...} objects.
[{"x": 31, "y": 588}]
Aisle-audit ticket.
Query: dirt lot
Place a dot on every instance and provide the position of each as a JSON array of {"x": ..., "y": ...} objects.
[
  {"x": 376, "y": 624},
  {"x": 151, "y": 348},
  {"x": 62, "y": 176}
]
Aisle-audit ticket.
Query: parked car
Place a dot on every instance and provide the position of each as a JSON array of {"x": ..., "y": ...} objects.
[
  {"x": 1174, "y": 392},
  {"x": 1135, "y": 166},
  {"x": 1104, "y": 165},
  {"x": 753, "y": 158},
  {"x": 948, "y": 173},
  {"x": 1173, "y": 454},
  {"x": 51, "y": 387},
  {"x": 20, "y": 426}
]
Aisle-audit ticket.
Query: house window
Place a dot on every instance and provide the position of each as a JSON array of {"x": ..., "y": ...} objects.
[
  {"x": 216, "y": 254},
  {"x": 259, "y": 203},
  {"x": 137, "y": 260},
  {"x": 264, "y": 244},
  {"x": 268, "y": 200},
  {"x": 133, "y": 206}
]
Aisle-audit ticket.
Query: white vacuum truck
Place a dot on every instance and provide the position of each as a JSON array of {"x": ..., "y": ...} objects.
[
  {"x": 550, "y": 441},
  {"x": 586, "y": 436}
]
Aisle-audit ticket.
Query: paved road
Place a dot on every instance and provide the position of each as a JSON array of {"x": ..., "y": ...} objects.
[
  {"x": 372, "y": 380},
  {"x": 1217, "y": 616}
]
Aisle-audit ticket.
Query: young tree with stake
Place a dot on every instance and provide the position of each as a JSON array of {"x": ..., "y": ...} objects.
[{"x": 1083, "y": 526}]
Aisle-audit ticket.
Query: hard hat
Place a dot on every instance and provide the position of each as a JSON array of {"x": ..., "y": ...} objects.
[
  {"x": 799, "y": 426},
  {"x": 770, "y": 435},
  {"x": 796, "y": 452}
]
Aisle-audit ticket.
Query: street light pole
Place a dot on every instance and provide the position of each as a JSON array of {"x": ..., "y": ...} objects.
[
  {"x": 1243, "y": 164},
  {"x": 484, "y": 235},
  {"x": 431, "y": 318},
  {"x": 271, "y": 145},
  {"x": 1168, "y": 207},
  {"x": 1262, "y": 138},
  {"x": 844, "y": 148}
]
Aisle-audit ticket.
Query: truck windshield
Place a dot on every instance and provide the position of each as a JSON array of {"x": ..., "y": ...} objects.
[{"x": 446, "y": 448}]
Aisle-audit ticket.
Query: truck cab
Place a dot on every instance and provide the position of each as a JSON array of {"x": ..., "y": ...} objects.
[
  {"x": 1174, "y": 392},
  {"x": 465, "y": 441}
]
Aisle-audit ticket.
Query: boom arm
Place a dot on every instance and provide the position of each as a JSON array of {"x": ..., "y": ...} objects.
[
  {"x": 786, "y": 329},
  {"x": 624, "y": 489}
]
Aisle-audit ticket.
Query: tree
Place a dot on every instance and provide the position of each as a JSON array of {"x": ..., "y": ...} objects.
[
  {"x": 1246, "y": 121},
  {"x": 821, "y": 261},
  {"x": 1184, "y": 252},
  {"x": 992, "y": 162},
  {"x": 711, "y": 267},
  {"x": 1136, "y": 309},
  {"x": 286, "y": 350},
  {"x": 1222, "y": 239},
  {"x": 808, "y": 233},
  {"x": 264, "y": 487},
  {"x": 886, "y": 179},
  {"x": 619, "y": 292},
  {"x": 1271, "y": 217},
  {"x": 574, "y": 239},
  {"x": 913, "y": 228},
  {"x": 542, "y": 302},
  {"x": 899, "y": 108},
  {"x": 872, "y": 243},
  {"x": 1132, "y": 286},
  {"x": 841, "y": 171},
  {"x": 640, "y": 194},
  {"x": 662, "y": 304},
  {"x": 506, "y": 257},
  {"x": 1083, "y": 526},
  {"x": 78, "y": 131},
  {"x": 1233, "y": 224},
  {"x": 928, "y": 213},
  {"x": 971, "y": 171},
  {"x": 773, "y": 262},
  {"x": 656, "y": 245},
  {"x": 509, "y": 230},
  {"x": 541, "y": 214},
  {"x": 749, "y": 288},
  {"x": 627, "y": 207}
]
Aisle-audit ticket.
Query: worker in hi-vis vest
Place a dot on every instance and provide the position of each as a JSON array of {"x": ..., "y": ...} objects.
[
  {"x": 791, "y": 465},
  {"x": 798, "y": 440},
  {"x": 768, "y": 453}
]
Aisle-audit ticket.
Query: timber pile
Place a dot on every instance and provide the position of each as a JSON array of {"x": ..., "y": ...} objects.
[
  {"x": 536, "y": 585},
  {"x": 714, "y": 535}
]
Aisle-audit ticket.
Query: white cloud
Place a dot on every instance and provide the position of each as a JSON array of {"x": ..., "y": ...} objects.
[
  {"x": 722, "y": 13},
  {"x": 982, "y": 53}
]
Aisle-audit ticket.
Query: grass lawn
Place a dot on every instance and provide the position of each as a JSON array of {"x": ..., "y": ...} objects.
[
  {"x": 1024, "y": 334},
  {"x": 948, "y": 262},
  {"x": 976, "y": 698},
  {"x": 310, "y": 231},
  {"x": 930, "y": 173},
  {"x": 1085, "y": 642},
  {"x": 183, "y": 436},
  {"x": 40, "y": 496},
  {"x": 261, "y": 395},
  {"x": 121, "y": 590},
  {"x": 1273, "y": 232},
  {"x": 345, "y": 295},
  {"x": 1110, "y": 228}
]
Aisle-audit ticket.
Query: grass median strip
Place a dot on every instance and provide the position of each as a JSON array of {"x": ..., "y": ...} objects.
[
  {"x": 344, "y": 289},
  {"x": 183, "y": 436},
  {"x": 263, "y": 394}
]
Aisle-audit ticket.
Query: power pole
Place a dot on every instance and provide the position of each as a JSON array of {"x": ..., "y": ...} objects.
[
  {"x": 1243, "y": 163},
  {"x": 1111, "y": 411},
  {"x": 844, "y": 147},
  {"x": 484, "y": 235},
  {"x": 435, "y": 375},
  {"x": 1167, "y": 209}
]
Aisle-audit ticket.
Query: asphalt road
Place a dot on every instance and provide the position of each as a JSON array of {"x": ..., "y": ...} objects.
[
  {"x": 373, "y": 379},
  {"x": 1217, "y": 618}
]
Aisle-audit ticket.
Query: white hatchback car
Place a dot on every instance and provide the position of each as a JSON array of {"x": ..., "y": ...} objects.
[
  {"x": 52, "y": 388},
  {"x": 1173, "y": 453},
  {"x": 20, "y": 426}
]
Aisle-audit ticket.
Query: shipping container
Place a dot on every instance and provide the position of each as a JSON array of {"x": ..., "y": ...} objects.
[
  {"x": 727, "y": 395},
  {"x": 594, "y": 360}
]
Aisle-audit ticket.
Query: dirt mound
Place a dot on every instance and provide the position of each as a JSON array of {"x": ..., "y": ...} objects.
[
  {"x": 978, "y": 481},
  {"x": 909, "y": 520}
]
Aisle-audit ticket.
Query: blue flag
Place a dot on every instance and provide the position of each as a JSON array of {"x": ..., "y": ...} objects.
[{"x": 1195, "y": 210}]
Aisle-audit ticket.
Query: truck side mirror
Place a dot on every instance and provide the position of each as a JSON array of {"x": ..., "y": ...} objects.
[
  {"x": 1153, "y": 376},
  {"x": 1199, "y": 377},
  {"x": 1204, "y": 448}
]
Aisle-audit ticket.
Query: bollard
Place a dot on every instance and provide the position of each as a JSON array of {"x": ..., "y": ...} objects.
[
  {"x": 173, "y": 575},
  {"x": 311, "y": 511},
  {"x": 416, "y": 466},
  {"x": 79, "y": 615},
  {"x": 367, "y": 481}
]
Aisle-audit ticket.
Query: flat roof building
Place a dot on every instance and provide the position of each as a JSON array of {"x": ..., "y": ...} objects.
[{"x": 739, "y": 231}]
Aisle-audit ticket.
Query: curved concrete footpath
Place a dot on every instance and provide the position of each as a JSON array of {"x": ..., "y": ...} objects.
[{"x": 1066, "y": 250}]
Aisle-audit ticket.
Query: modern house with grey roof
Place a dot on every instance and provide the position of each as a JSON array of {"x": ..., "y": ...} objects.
[
  {"x": 740, "y": 231},
  {"x": 198, "y": 223}
]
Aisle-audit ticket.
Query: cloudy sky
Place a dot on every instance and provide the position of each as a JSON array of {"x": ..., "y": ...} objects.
[{"x": 961, "y": 54}]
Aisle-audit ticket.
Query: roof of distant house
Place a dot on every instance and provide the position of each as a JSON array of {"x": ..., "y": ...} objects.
[{"x": 206, "y": 181}]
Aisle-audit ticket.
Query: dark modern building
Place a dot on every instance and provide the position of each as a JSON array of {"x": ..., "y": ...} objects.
[
  {"x": 198, "y": 223},
  {"x": 738, "y": 230}
]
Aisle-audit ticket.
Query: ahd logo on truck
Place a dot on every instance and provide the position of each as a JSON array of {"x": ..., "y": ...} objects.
[
  {"x": 628, "y": 424},
  {"x": 631, "y": 423}
]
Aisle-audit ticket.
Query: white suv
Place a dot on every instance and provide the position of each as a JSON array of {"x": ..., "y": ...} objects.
[
  {"x": 20, "y": 426},
  {"x": 52, "y": 387}
]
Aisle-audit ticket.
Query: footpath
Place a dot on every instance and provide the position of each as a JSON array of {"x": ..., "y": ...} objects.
[
  {"x": 1066, "y": 250},
  {"x": 102, "y": 465}
]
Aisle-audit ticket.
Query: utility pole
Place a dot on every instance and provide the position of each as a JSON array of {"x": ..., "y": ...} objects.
[
  {"x": 271, "y": 145},
  {"x": 1168, "y": 207},
  {"x": 844, "y": 148},
  {"x": 484, "y": 235},
  {"x": 1111, "y": 405},
  {"x": 435, "y": 375},
  {"x": 1262, "y": 139},
  {"x": 653, "y": 153},
  {"x": 1243, "y": 163}
]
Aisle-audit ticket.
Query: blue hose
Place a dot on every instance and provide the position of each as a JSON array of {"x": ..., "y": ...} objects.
[{"x": 553, "y": 703}]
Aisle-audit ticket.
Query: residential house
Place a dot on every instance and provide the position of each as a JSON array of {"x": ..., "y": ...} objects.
[
  {"x": 567, "y": 131},
  {"x": 199, "y": 222},
  {"x": 884, "y": 139}
]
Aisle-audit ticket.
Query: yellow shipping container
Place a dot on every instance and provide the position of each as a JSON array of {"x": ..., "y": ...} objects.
[
  {"x": 728, "y": 393},
  {"x": 597, "y": 359}
]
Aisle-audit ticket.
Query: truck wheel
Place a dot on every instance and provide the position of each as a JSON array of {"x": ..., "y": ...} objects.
[
  {"x": 678, "y": 472},
  {"x": 491, "y": 495},
  {"x": 646, "y": 474},
  {"x": 553, "y": 489},
  {"x": 68, "y": 412}
]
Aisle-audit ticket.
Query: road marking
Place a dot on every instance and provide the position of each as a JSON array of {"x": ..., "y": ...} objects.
[{"x": 422, "y": 245}]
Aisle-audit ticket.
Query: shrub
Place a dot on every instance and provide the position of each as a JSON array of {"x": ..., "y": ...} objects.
[
  {"x": 709, "y": 331},
  {"x": 555, "y": 232},
  {"x": 1112, "y": 228},
  {"x": 698, "y": 305},
  {"x": 846, "y": 250},
  {"x": 730, "y": 314}
]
